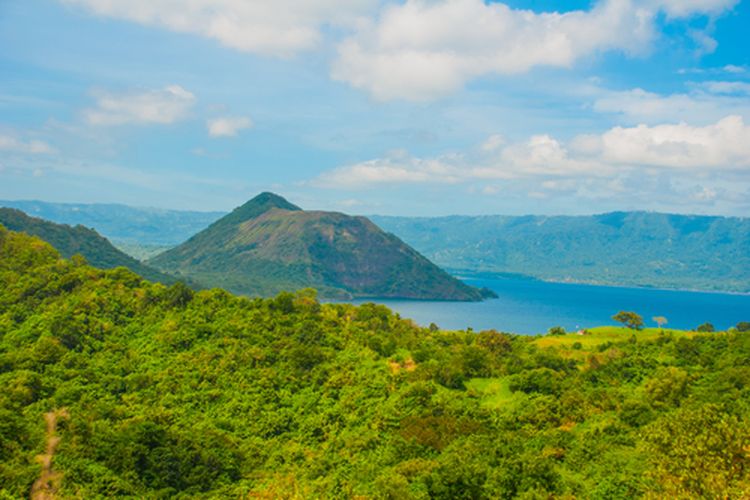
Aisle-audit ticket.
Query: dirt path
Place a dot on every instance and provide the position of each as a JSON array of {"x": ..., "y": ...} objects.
[{"x": 48, "y": 483}]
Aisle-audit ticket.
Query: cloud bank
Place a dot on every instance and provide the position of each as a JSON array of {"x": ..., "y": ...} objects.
[{"x": 723, "y": 146}]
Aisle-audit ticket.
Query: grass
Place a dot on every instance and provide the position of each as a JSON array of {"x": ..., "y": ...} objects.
[
  {"x": 492, "y": 392},
  {"x": 603, "y": 334}
]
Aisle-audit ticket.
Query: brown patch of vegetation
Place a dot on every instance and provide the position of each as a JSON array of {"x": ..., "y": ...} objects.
[{"x": 48, "y": 483}]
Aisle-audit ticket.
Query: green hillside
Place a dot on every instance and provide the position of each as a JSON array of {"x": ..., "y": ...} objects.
[
  {"x": 79, "y": 240},
  {"x": 117, "y": 387},
  {"x": 269, "y": 245},
  {"x": 620, "y": 248}
]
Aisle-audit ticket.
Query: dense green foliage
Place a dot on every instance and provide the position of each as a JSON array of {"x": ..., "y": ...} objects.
[
  {"x": 127, "y": 227},
  {"x": 171, "y": 392},
  {"x": 269, "y": 245},
  {"x": 81, "y": 240},
  {"x": 621, "y": 248}
]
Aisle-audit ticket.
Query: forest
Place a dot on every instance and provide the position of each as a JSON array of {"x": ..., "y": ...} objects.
[{"x": 116, "y": 386}]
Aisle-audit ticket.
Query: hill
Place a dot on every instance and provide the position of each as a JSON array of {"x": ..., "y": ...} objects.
[
  {"x": 268, "y": 245},
  {"x": 114, "y": 387},
  {"x": 79, "y": 240},
  {"x": 620, "y": 248}
]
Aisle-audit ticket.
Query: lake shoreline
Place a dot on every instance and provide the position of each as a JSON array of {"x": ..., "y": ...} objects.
[{"x": 464, "y": 274}]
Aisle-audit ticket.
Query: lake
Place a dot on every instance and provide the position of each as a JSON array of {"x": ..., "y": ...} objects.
[{"x": 529, "y": 306}]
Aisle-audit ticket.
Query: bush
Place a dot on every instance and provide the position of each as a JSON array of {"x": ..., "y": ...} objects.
[{"x": 556, "y": 330}]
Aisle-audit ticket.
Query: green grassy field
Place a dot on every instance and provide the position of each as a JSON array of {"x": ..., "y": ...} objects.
[
  {"x": 604, "y": 334},
  {"x": 493, "y": 392}
]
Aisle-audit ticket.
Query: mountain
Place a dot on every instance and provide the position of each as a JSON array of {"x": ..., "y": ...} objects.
[
  {"x": 268, "y": 245},
  {"x": 69, "y": 241},
  {"x": 619, "y": 248},
  {"x": 122, "y": 224}
]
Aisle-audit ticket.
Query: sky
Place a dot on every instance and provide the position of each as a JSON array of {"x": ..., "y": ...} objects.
[{"x": 412, "y": 107}]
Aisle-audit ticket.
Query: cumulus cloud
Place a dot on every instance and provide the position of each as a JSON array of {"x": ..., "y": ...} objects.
[
  {"x": 278, "y": 28},
  {"x": 14, "y": 145},
  {"x": 723, "y": 146},
  {"x": 421, "y": 50},
  {"x": 163, "y": 106},
  {"x": 227, "y": 126}
]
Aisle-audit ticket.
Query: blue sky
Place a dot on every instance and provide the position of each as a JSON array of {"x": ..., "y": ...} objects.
[{"x": 426, "y": 107}]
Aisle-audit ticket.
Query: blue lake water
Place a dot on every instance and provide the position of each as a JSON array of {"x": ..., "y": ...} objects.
[{"x": 531, "y": 307}]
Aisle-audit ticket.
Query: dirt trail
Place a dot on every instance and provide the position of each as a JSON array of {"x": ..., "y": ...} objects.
[{"x": 48, "y": 483}]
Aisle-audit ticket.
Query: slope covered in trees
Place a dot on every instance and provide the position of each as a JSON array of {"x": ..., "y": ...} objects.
[
  {"x": 159, "y": 391},
  {"x": 269, "y": 245},
  {"x": 620, "y": 248},
  {"x": 81, "y": 240}
]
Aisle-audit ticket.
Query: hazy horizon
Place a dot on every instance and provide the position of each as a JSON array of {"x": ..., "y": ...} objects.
[{"x": 351, "y": 212}]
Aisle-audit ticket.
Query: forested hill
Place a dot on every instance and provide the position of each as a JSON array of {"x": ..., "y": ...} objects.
[
  {"x": 126, "y": 388},
  {"x": 79, "y": 240},
  {"x": 268, "y": 245},
  {"x": 621, "y": 248}
]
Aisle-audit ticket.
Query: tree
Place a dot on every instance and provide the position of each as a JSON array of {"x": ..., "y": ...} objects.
[
  {"x": 743, "y": 326},
  {"x": 660, "y": 320},
  {"x": 629, "y": 319},
  {"x": 556, "y": 330},
  {"x": 706, "y": 328}
]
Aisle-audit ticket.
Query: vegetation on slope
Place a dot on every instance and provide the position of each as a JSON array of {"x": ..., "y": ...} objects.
[
  {"x": 620, "y": 248},
  {"x": 167, "y": 392},
  {"x": 70, "y": 241},
  {"x": 269, "y": 245}
]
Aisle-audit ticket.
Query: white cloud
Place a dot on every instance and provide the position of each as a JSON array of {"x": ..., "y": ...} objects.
[
  {"x": 493, "y": 142},
  {"x": 279, "y": 27},
  {"x": 731, "y": 68},
  {"x": 641, "y": 150},
  {"x": 724, "y": 145},
  {"x": 687, "y": 8},
  {"x": 729, "y": 88},
  {"x": 163, "y": 106},
  {"x": 401, "y": 170},
  {"x": 227, "y": 126},
  {"x": 421, "y": 49},
  {"x": 706, "y": 102},
  {"x": 706, "y": 44},
  {"x": 15, "y": 145}
]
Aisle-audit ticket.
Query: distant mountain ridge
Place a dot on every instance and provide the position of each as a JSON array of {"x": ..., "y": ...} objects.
[
  {"x": 122, "y": 223},
  {"x": 269, "y": 245},
  {"x": 618, "y": 248},
  {"x": 69, "y": 240}
]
